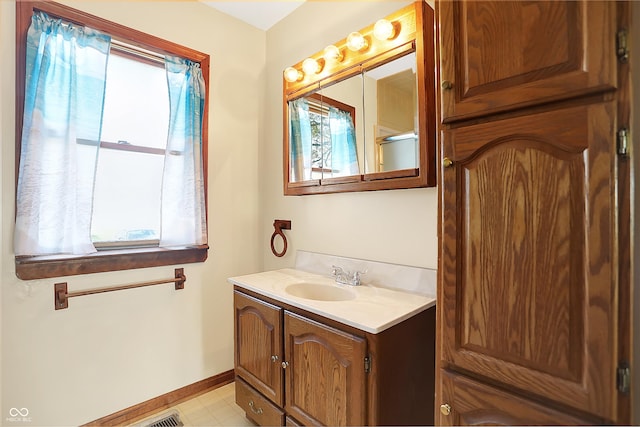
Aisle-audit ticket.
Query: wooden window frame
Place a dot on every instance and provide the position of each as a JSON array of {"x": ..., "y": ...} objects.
[{"x": 39, "y": 267}]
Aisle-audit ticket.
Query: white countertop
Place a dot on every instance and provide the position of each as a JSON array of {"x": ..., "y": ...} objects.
[{"x": 373, "y": 309}]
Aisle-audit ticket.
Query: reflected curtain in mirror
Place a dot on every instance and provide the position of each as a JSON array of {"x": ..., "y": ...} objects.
[
  {"x": 344, "y": 159},
  {"x": 300, "y": 140}
]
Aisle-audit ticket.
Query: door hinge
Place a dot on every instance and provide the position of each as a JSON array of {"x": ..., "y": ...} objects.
[
  {"x": 367, "y": 364},
  {"x": 623, "y": 142},
  {"x": 623, "y": 377},
  {"x": 622, "y": 50}
]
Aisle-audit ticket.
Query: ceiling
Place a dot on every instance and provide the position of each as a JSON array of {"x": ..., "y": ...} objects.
[{"x": 260, "y": 14}]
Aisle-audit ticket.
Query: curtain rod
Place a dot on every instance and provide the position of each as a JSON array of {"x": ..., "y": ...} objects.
[
  {"x": 126, "y": 48},
  {"x": 118, "y": 45}
]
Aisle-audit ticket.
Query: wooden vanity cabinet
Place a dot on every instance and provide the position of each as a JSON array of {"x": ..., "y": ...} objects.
[
  {"x": 534, "y": 270},
  {"x": 328, "y": 373},
  {"x": 258, "y": 345},
  {"x": 324, "y": 374}
]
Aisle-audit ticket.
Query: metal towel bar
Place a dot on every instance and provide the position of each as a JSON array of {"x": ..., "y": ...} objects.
[{"x": 61, "y": 296}]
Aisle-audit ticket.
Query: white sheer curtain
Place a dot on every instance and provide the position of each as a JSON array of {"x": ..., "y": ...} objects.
[
  {"x": 183, "y": 214},
  {"x": 64, "y": 94}
]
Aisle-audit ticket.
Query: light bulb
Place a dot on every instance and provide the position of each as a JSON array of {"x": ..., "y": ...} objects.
[
  {"x": 310, "y": 66},
  {"x": 292, "y": 75},
  {"x": 332, "y": 53},
  {"x": 356, "y": 42},
  {"x": 383, "y": 30}
]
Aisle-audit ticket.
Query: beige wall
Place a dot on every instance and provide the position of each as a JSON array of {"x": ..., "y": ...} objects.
[
  {"x": 110, "y": 351},
  {"x": 396, "y": 226}
]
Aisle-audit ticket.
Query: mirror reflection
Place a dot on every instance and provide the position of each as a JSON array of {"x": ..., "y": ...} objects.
[
  {"x": 390, "y": 93},
  {"x": 364, "y": 124},
  {"x": 324, "y": 138},
  {"x": 343, "y": 101}
]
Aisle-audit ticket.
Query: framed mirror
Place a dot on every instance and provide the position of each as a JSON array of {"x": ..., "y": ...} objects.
[{"x": 363, "y": 118}]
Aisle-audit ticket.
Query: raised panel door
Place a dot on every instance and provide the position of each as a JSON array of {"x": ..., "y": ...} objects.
[
  {"x": 472, "y": 403},
  {"x": 527, "y": 266},
  {"x": 501, "y": 55},
  {"x": 258, "y": 345},
  {"x": 325, "y": 376}
]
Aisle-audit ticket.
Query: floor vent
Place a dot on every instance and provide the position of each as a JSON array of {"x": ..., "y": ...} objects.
[{"x": 166, "y": 420}]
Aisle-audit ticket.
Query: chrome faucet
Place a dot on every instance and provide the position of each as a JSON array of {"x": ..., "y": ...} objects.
[{"x": 346, "y": 277}]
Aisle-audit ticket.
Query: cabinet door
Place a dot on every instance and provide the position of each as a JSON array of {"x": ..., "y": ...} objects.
[
  {"x": 258, "y": 345},
  {"x": 325, "y": 378},
  {"x": 500, "y": 55},
  {"x": 472, "y": 403},
  {"x": 528, "y": 260}
]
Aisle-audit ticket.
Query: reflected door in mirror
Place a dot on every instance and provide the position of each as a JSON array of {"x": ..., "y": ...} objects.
[{"x": 391, "y": 100}]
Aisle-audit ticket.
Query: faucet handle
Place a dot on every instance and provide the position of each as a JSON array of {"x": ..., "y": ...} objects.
[
  {"x": 357, "y": 276},
  {"x": 335, "y": 270}
]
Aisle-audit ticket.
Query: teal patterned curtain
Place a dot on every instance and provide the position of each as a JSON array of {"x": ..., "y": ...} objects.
[
  {"x": 300, "y": 140},
  {"x": 344, "y": 159},
  {"x": 64, "y": 95},
  {"x": 183, "y": 211}
]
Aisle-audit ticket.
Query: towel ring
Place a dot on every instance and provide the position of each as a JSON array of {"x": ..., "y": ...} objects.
[{"x": 279, "y": 225}]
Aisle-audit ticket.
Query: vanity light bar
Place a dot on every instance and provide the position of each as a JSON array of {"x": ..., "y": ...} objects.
[
  {"x": 388, "y": 33},
  {"x": 357, "y": 42},
  {"x": 332, "y": 53}
]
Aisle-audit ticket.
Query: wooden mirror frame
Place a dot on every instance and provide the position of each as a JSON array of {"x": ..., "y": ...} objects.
[{"x": 414, "y": 28}]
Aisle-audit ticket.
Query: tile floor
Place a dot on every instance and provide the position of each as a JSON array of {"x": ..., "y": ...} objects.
[{"x": 214, "y": 408}]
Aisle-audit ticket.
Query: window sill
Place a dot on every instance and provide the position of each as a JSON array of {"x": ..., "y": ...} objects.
[{"x": 43, "y": 267}]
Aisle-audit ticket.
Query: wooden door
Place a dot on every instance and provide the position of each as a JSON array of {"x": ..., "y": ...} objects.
[
  {"x": 528, "y": 255},
  {"x": 468, "y": 403},
  {"x": 501, "y": 55},
  {"x": 325, "y": 376},
  {"x": 258, "y": 345}
]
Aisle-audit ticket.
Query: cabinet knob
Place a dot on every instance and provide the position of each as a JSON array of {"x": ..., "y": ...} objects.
[
  {"x": 445, "y": 409},
  {"x": 447, "y": 162},
  {"x": 446, "y": 85},
  {"x": 274, "y": 358},
  {"x": 284, "y": 365}
]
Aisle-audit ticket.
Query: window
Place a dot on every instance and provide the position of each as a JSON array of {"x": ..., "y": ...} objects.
[
  {"x": 147, "y": 162},
  {"x": 330, "y": 125},
  {"x": 322, "y": 137},
  {"x": 132, "y": 150}
]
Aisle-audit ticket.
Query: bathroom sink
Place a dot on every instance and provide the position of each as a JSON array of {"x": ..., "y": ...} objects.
[{"x": 318, "y": 292}]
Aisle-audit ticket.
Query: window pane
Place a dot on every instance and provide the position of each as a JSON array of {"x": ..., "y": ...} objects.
[
  {"x": 320, "y": 144},
  {"x": 126, "y": 202},
  {"x": 128, "y": 184},
  {"x": 136, "y": 107}
]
